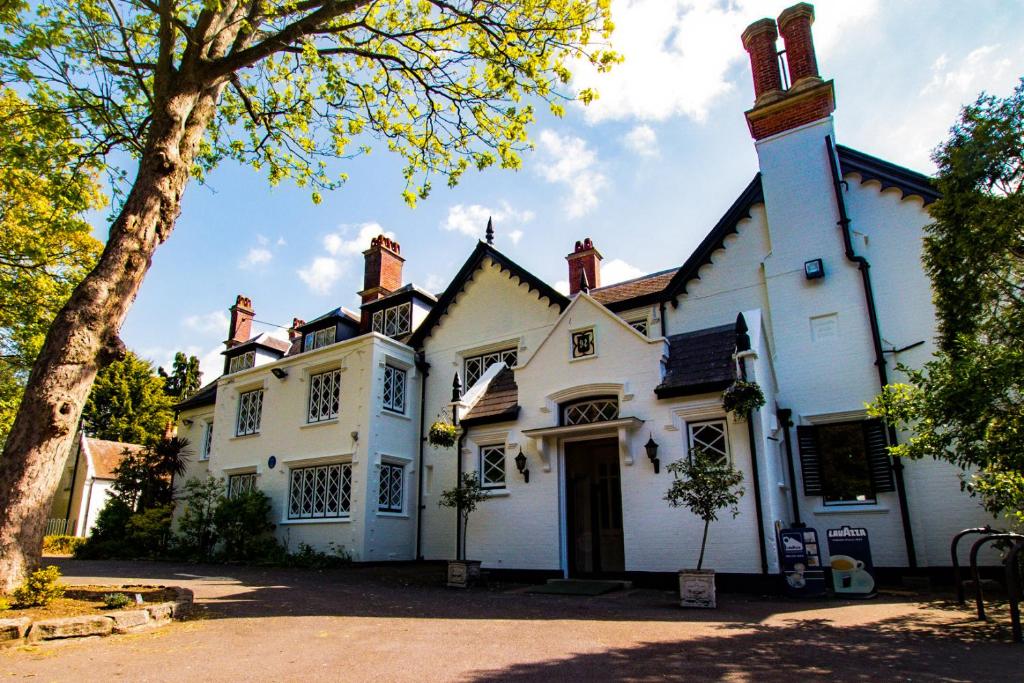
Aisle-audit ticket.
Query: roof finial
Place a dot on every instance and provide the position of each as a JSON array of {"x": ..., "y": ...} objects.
[
  {"x": 584, "y": 285},
  {"x": 490, "y": 231}
]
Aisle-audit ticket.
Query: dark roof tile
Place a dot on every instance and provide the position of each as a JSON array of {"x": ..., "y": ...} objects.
[
  {"x": 499, "y": 403},
  {"x": 699, "y": 362}
]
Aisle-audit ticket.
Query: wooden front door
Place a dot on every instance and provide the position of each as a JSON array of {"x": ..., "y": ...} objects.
[{"x": 594, "y": 508}]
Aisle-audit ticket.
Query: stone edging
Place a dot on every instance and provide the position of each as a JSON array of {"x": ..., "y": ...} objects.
[{"x": 24, "y": 629}]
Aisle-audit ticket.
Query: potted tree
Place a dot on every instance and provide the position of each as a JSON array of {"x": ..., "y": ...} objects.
[
  {"x": 464, "y": 498},
  {"x": 704, "y": 485}
]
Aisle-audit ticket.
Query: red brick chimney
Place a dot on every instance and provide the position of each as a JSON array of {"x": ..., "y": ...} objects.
[
  {"x": 240, "y": 328},
  {"x": 584, "y": 260},
  {"x": 808, "y": 98},
  {"x": 293, "y": 332},
  {"x": 383, "y": 271}
]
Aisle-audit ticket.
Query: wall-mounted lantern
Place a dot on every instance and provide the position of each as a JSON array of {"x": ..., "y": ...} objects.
[
  {"x": 279, "y": 373},
  {"x": 814, "y": 269},
  {"x": 521, "y": 466},
  {"x": 652, "y": 452}
]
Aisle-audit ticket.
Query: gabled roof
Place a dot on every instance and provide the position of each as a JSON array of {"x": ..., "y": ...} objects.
[
  {"x": 715, "y": 240},
  {"x": 699, "y": 362},
  {"x": 628, "y": 291},
  {"x": 500, "y": 403},
  {"x": 262, "y": 340},
  {"x": 476, "y": 261},
  {"x": 104, "y": 456},
  {"x": 207, "y": 396},
  {"x": 888, "y": 174}
]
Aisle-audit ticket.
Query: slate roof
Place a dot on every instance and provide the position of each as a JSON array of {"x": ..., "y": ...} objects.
[
  {"x": 105, "y": 456},
  {"x": 699, "y": 362},
  {"x": 264, "y": 340},
  {"x": 500, "y": 403},
  {"x": 631, "y": 289},
  {"x": 207, "y": 396}
]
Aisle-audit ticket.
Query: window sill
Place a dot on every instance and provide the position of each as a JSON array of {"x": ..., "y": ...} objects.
[
  {"x": 236, "y": 437},
  {"x": 392, "y": 413},
  {"x": 866, "y": 509},
  {"x": 327, "y": 520},
  {"x": 392, "y": 515},
  {"x": 321, "y": 423},
  {"x": 496, "y": 493}
]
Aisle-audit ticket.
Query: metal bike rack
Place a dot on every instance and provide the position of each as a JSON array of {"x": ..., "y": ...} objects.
[
  {"x": 987, "y": 529},
  {"x": 1013, "y": 589},
  {"x": 979, "y": 598}
]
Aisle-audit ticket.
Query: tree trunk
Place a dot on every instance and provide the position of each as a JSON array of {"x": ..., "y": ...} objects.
[
  {"x": 84, "y": 335},
  {"x": 703, "y": 544}
]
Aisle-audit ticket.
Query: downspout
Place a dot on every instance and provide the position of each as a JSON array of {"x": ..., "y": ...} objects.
[
  {"x": 876, "y": 338},
  {"x": 755, "y": 474},
  {"x": 456, "y": 397},
  {"x": 661, "y": 315},
  {"x": 424, "y": 368},
  {"x": 786, "y": 420}
]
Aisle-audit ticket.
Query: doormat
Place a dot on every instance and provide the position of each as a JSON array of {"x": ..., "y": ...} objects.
[{"x": 576, "y": 587}]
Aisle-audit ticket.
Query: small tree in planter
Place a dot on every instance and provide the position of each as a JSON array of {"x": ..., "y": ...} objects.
[
  {"x": 742, "y": 398},
  {"x": 464, "y": 498},
  {"x": 704, "y": 485}
]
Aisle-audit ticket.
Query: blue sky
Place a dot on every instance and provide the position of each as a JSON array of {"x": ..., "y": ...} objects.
[{"x": 645, "y": 171}]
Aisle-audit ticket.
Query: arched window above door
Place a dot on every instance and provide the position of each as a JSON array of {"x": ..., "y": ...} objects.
[{"x": 590, "y": 410}]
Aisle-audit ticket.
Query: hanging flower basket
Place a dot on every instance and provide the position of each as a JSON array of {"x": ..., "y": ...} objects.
[
  {"x": 742, "y": 398},
  {"x": 443, "y": 434}
]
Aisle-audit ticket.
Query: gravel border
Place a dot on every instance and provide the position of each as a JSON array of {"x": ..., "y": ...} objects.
[{"x": 25, "y": 630}]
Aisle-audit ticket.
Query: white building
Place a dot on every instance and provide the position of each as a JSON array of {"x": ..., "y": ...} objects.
[{"x": 810, "y": 284}]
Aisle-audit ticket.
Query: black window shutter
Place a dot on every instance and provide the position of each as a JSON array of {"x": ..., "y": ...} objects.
[
  {"x": 879, "y": 463},
  {"x": 810, "y": 464}
]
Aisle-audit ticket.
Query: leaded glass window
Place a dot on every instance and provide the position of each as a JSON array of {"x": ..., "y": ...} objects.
[
  {"x": 475, "y": 366},
  {"x": 394, "y": 389},
  {"x": 250, "y": 411},
  {"x": 394, "y": 321},
  {"x": 639, "y": 325},
  {"x": 712, "y": 437},
  {"x": 320, "y": 492},
  {"x": 392, "y": 481},
  {"x": 242, "y": 362},
  {"x": 240, "y": 484},
  {"x": 318, "y": 338},
  {"x": 324, "y": 396},
  {"x": 492, "y": 467},
  {"x": 589, "y": 411},
  {"x": 204, "y": 451}
]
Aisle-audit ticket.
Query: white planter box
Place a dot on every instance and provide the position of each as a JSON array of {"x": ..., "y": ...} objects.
[
  {"x": 463, "y": 573},
  {"x": 697, "y": 588}
]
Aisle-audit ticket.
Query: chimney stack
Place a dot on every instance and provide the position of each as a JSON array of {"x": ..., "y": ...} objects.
[
  {"x": 808, "y": 98},
  {"x": 383, "y": 271},
  {"x": 240, "y": 328},
  {"x": 293, "y": 332},
  {"x": 584, "y": 266}
]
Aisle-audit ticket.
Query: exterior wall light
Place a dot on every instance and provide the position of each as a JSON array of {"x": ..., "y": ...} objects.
[
  {"x": 279, "y": 373},
  {"x": 521, "y": 466},
  {"x": 814, "y": 269},
  {"x": 652, "y": 452}
]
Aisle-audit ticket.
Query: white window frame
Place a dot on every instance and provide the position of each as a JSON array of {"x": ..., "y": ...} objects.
[
  {"x": 486, "y": 360},
  {"x": 243, "y": 361},
  {"x": 388, "y": 398},
  {"x": 316, "y": 339},
  {"x": 243, "y": 482},
  {"x": 482, "y": 452},
  {"x": 207, "y": 443},
  {"x": 391, "y": 467},
  {"x": 319, "y": 509},
  {"x": 636, "y": 322},
  {"x": 251, "y": 425},
  {"x": 316, "y": 414},
  {"x": 393, "y": 321},
  {"x": 691, "y": 441}
]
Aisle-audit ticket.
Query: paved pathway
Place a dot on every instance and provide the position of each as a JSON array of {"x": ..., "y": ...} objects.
[{"x": 399, "y": 624}]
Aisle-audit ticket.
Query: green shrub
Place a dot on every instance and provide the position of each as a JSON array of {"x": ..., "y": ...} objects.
[
  {"x": 106, "y": 539},
  {"x": 243, "y": 525},
  {"x": 120, "y": 533},
  {"x": 197, "y": 533},
  {"x": 4, "y": 604},
  {"x": 148, "y": 533},
  {"x": 116, "y": 600},
  {"x": 61, "y": 545},
  {"x": 39, "y": 588},
  {"x": 309, "y": 557}
]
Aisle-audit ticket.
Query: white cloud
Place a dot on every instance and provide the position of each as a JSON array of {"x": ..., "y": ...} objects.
[
  {"x": 471, "y": 220},
  {"x": 434, "y": 283},
  {"x": 338, "y": 244},
  {"x": 642, "y": 140},
  {"x": 618, "y": 270},
  {"x": 213, "y": 323},
  {"x": 568, "y": 160},
  {"x": 256, "y": 256},
  {"x": 679, "y": 53},
  {"x": 321, "y": 274},
  {"x": 562, "y": 286}
]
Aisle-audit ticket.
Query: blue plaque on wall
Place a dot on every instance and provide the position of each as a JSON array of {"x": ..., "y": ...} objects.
[
  {"x": 271, "y": 462},
  {"x": 800, "y": 558}
]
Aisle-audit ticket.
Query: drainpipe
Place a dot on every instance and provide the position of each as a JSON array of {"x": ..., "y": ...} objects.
[
  {"x": 661, "y": 315},
  {"x": 456, "y": 397},
  {"x": 424, "y": 368},
  {"x": 785, "y": 416},
  {"x": 876, "y": 338},
  {"x": 743, "y": 346}
]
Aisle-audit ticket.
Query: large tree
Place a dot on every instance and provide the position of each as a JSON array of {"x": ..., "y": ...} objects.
[
  {"x": 46, "y": 247},
  {"x": 128, "y": 402},
  {"x": 967, "y": 404},
  {"x": 185, "y": 376},
  {"x": 290, "y": 87}
]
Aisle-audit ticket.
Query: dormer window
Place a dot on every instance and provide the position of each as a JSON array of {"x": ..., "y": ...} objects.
[
  {"x": 318, "y": 338},
  {"x": 394, "y": 321},
  {"x": 242, "y": 362}
]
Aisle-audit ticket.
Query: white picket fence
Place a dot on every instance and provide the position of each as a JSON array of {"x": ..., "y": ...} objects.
[{"x": 60, "y": 527}]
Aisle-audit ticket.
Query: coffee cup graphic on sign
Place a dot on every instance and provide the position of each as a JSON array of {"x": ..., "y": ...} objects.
[{"x": 844, "y": 567}]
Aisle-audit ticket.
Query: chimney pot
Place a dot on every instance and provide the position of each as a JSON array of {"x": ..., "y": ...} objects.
[
  {"x": 240, "y": 328},
  {"x": 382, "y": 272},
  {"x": 293, "y": 332},
  {"x": 584, "y": 266},
  {"x": 795, "y": 27},
  {"x": 759, "y": 42}
]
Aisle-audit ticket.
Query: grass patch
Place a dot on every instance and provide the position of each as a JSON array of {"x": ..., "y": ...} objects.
[{"x": 84, "y": 600}]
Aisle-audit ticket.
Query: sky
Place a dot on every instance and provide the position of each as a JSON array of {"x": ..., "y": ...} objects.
[{"x": 645, "y": 171}]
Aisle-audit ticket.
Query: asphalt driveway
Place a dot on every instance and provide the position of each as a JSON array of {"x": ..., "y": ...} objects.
[{"x": 400, "y": 624}]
